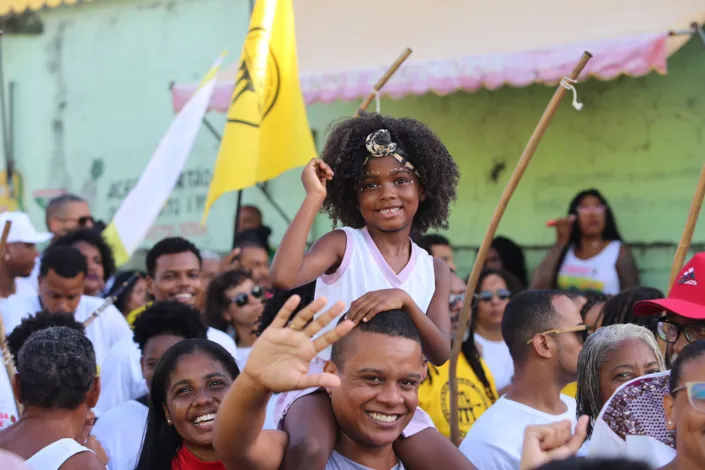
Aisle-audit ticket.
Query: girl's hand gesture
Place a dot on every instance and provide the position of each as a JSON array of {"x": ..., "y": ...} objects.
[
  {"x": 369, "y": 305},
  {"x": 315, "y": 176}
]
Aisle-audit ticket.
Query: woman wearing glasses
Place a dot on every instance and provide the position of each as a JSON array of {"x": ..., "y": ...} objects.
[
  {"x": 588, "y": 253},
  {"x": 685, "y": 408},
  {"x": 491, "y": 297},
  {"x": 234, "y": 304}
]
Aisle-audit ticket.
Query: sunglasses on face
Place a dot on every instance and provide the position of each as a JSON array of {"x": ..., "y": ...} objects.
[
  {"x": 581, "y": 331},
  {"x": 243, "y": 298},
  {"x": 592, "y": 209},
  {"x": 456, "y": 299},
  {"x": 488, "y": 295},
  {"x": 670, "y": 332},
  {"x": 696, "y": 394}
]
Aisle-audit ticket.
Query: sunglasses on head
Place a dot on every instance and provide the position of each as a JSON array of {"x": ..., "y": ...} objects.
[
  {"x": 243, "y": 298},
  {"x": 488, "y": 295}
]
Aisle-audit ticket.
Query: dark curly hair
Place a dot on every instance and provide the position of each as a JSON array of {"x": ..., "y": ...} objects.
[
  {"x": 56, "y": 368},
  {"x": 169, "y": 246},
  {"x": 345, "y": 152},
  {"x": 92, "y": 237},
  {"x": 40, "y": 321},
  {"x": 279, "y": 297},
  {"x": 217, "y": 301},
  {"x": 168, "y": 317}
]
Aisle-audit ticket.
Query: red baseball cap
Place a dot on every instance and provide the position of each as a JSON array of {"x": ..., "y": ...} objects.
[{"x": 687, "y": 296}]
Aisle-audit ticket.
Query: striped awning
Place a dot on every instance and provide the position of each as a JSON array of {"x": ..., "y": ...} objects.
[{"x": 20, "y": 6}]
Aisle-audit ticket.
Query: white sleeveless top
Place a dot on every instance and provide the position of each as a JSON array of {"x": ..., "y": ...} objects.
[
  {"x": 53, "y": 456},
  {"x": 364, "y": 269},
  {"x": 597, "y": 273}
]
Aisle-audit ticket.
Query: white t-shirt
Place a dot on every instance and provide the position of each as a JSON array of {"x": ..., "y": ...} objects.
[
  {"x": 242, "y": 355},
  {"x": 632, "y": 424},
  {"x": 121, "y": 432},
  {"x": 497, "y": 357},
  {"x": 121, "y": 374},
  {"x": 364, "y": 269},
  {"x": 496, "y": 439},
  {"x": 8, "y": 408},
  {"x": 108, "y": 329},
  {"x": 338, "y": 462}
]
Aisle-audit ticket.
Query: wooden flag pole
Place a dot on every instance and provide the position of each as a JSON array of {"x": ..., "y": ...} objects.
[
  {"x": 383, "y": 81},
  {"x": 523, "y": 163},
  {"x": 687, "y": 236},
  {"x": 6, "y": 356}
]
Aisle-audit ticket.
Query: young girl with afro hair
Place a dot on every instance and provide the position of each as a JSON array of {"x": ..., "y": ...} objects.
[{"x": 382, "y": 178}]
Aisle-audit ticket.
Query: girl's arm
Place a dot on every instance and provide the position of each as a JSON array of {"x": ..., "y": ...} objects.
[
  {"x": 439, "y": 314},
  {"x": 626, "y": 269},
  {"x": 292, "y": 266}
]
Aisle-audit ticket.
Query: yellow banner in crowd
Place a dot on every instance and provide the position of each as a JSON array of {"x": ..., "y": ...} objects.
[{"x": 267, "y": 132}]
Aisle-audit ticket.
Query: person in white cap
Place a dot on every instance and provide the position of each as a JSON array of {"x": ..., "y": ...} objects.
[{"x": 20, "y": 253}]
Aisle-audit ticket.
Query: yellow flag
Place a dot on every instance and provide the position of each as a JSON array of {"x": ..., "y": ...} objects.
[{"x": 267, "y": 132}]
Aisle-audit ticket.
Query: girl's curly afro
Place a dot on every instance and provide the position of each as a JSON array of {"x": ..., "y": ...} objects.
[{"x": 345, "y": 153}]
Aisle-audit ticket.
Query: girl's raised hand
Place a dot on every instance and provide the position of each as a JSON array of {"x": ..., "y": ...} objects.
[{"x": 315, "y": 176}]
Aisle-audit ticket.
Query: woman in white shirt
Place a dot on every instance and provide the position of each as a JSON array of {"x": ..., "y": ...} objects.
[
  {"x": 493, "y": 291},
  {"x": 234, "y": 304},
  {"x": 588, "y": 253}
]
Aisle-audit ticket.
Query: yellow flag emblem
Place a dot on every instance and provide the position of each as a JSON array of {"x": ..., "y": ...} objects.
[{"x": 267, "y": 132}]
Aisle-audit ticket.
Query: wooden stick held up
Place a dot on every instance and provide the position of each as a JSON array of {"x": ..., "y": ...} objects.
[
  {"x": 383, "y": 81},
  {"x": 6, "y": 356},
  {"x": 687, "y": 236},
  {"x": 523, "y": 163}
]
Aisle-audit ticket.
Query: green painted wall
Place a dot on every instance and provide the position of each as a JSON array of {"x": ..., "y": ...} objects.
[{"x": 94, "y": 86}]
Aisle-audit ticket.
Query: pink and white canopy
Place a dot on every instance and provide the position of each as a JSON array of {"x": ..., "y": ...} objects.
[{"x": 464, "y": 45}]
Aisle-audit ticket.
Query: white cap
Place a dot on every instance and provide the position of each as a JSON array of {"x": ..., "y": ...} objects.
[{"x": 22, "y": 230}]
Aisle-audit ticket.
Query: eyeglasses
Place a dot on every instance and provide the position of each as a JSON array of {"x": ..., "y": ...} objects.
[
  {"x": 488, "y": 295},
  {"x": 670, "y": 332},
  {"x": 592, "y": 209},
  {"x": 696, "y": 394},
  {"x": 580, "y": 330},
  {"x": 243, "y": 298},
  {"x": 456, "y": 299}
]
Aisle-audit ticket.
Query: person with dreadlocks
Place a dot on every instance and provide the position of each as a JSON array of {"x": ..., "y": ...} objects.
[
  {"x": 612, "y": 356},
  {"x": 382, "y": 178}
]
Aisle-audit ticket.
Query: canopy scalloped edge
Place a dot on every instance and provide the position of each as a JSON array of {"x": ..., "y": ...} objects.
[
  {"x": 633, "y": 56},
  {"x": 19, "y": 6}
]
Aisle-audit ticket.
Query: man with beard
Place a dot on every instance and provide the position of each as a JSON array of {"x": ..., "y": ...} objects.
[
  {"x": 173, "y": 273},
  {"x": 544, "y": 332},
  {"x": 64, "y": 214},
  {"x": 632, "y": 423}
]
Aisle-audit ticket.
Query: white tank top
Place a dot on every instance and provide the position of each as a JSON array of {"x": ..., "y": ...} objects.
[
  {"x": 53, "y": 456},
  {"x": 597, "y": 273},
  {"x": 364, "y": 269}
]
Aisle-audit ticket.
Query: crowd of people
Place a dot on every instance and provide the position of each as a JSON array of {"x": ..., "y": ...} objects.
[{"x": 336, "y": 355}]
